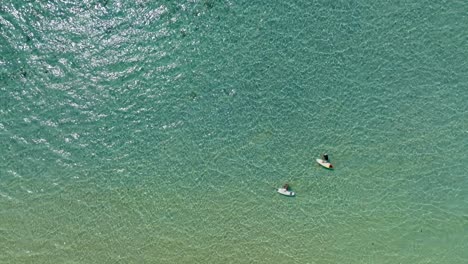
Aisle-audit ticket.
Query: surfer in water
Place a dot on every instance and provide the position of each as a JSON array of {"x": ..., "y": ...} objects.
[
  {"x": 325, "y": 157},
  {"x": 326, "y": 160}
]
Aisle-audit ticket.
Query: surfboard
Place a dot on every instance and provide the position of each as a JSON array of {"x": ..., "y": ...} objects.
[
  {"x": 325, "y": 164},
  {"x": 283, "y": 191}
]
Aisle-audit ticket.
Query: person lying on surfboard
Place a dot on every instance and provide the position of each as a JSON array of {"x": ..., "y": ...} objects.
[{"x": 324, "y": 161}]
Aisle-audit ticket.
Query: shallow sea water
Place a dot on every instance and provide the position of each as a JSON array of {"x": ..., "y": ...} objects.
[{"x": 140, "y": 132}]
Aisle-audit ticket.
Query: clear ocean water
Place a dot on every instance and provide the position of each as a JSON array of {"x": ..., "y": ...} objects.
[{"x": 155, "y": 131}]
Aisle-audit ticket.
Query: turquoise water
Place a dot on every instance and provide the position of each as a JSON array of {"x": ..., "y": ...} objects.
[{"x": 141, "y": 132}]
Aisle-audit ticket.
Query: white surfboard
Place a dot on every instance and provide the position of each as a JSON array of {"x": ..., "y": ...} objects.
[
  {"x": 325, "y": 164},
  {"x": 283, "y": 191}
]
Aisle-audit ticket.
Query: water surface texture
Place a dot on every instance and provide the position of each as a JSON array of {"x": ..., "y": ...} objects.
[{"x": 156, "y": 131}]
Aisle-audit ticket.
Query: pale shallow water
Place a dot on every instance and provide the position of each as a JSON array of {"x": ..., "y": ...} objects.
[{"x": 139, "y": 132}]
